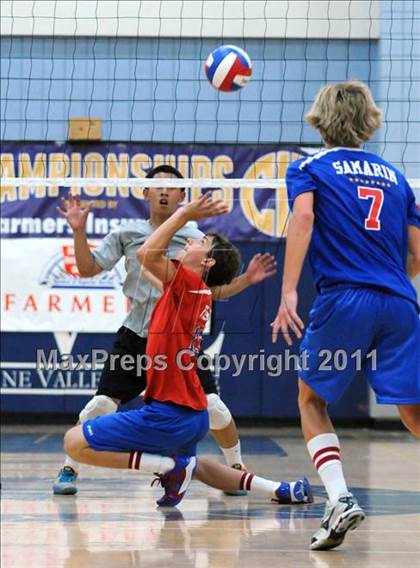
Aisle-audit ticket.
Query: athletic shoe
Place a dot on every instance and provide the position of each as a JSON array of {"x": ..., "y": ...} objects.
[
  {"x": 237, "y": 492},
  {"x": 65, "y": 484},
  {"x": 340, "y": 517},
  {"x": 176, "y": 481},
  {"x": 302, "y": 493}
]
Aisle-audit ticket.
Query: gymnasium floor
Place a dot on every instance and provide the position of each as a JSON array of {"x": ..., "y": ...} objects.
[{"x": 113, "y": 522}]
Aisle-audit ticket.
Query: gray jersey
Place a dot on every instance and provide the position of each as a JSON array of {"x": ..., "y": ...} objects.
[{"x": 124, "y": 242}]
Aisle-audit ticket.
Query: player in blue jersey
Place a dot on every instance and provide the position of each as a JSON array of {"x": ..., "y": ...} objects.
[{"x": 357, "y": 216}]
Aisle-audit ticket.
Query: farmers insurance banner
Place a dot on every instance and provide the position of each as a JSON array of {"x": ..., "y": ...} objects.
[{"x": 41, "y": 289}]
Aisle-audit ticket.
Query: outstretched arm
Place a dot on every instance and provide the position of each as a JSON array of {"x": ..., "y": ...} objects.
[
  {"x": 153, "y": 253},
  {"x": 261, "y": 266},
  {"x": 76, "y": 216},
  {"x": 298, "y": 238}
]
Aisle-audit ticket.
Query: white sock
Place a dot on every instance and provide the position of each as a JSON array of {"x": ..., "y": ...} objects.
[
  {"x": 71, "y": 463},
  {"x": 150, "y": 463},
  {"x": 233, "y": 455},
  {"x": 253, "y": 483},
  {"x": 265, "y": 487},
  {"x": 324, "y": 450}
]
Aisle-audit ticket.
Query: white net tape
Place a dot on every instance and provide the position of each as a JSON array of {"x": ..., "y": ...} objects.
[{"x": 261, "y": 183}]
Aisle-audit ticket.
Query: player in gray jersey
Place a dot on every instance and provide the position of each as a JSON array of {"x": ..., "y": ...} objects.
[{"x": 118, "y": 385}]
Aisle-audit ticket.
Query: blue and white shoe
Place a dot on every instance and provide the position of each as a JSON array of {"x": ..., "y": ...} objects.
[
  {"x": 301, "y": 493},
  {"x": 65, "y": 484},
  {"x": 175, "y": 482},
  {"x": 339, "y": 518}
]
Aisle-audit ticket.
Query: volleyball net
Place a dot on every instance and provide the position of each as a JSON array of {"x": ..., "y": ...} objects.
[{"x": 96, "y": 93}]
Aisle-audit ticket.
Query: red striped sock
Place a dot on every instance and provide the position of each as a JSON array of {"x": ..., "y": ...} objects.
[
  {"x": 324, "y": 450},
  {"x": 134, "y": 460},
  {"x": 259, "y": 485},
  {"x": 326, "y": 455},
  {"x": 150, "y": 463},
  {"x": 246, "y": 480}
]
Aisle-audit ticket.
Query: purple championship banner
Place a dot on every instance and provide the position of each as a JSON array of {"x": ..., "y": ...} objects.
[
  {"x": 41, "y": 287},
  {"x": 30, "y": 211}
]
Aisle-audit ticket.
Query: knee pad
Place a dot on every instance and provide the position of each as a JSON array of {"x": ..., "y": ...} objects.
[
  {"x": 219, "y": 413},
  {"x": 99, "y": 405}
]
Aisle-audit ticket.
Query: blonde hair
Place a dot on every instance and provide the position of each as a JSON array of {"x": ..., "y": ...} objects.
[{"x": 345, "y": 114}]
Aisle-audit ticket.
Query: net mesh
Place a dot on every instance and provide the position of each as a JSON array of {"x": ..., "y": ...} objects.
[{"x": 138, "y": 67}]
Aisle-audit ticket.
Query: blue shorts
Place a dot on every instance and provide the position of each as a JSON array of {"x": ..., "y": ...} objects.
[
  {"x": 354, "y": 329},
  {"x": 158, "y": 428}
]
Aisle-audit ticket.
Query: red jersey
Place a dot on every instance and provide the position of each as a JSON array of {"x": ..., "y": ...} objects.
[{"x": 175, "y": 331}]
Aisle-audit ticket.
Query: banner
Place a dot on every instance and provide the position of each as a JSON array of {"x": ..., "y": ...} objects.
[
  {"x": 41, "y": 288},
  {"x": 255, "y": 214}
]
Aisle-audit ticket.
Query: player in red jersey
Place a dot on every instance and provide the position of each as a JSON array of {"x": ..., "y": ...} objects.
[
  {"x": 119, "y": 384},
  {"x": 161, "y": 438}
]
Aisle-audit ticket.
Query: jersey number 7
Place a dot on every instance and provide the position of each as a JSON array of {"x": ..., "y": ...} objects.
[{"x": 372, "y": 222}]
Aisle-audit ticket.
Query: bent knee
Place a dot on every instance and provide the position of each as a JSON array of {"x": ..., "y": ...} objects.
[
  {"x": 410, "y": 417},
  {"x": 308, "y": 397},
  {"x": 74, "y": 441},
  {"x": 219, "y": 414}
]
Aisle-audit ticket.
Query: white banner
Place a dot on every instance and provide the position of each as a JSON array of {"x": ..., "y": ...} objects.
[{"x": 41, "y": 290}]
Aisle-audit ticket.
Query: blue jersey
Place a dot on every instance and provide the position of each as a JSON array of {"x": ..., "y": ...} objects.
[{"x": 362, "y": 208}]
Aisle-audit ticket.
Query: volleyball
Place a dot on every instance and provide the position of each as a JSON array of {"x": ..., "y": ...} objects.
[{"x": 228, "y": 68}]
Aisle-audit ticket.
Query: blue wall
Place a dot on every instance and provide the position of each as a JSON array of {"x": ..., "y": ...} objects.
[{"x": 156, "y": 90}]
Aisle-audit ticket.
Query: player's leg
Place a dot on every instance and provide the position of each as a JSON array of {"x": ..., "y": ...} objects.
[
  {"x": 144, "y": 440},
  {"x": 65, "y": 483},
  {"x": 322, "y": 441},
  {"x": 229, "y": 479},
  {"x": 342, "y": 512},
  {"x": 222, "y": 425},
  {"x": 223, "y": 429},
  {"x": 320, "y": 383},
  {"x": 178, "y": 470},
  {"x": 410, "y": 417},
  {"x": 118, "y": 383},
  {"x": 77, "y": 446},
  {"x": 395, "y": 377}
]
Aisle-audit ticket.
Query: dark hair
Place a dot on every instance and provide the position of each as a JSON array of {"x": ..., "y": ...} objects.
[
  {"x": 228, "y": 261},
  {"x": 164, "y": 169}
]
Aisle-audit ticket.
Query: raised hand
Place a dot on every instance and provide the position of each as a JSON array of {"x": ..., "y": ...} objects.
[
  {"x": 287, "y": 318},
  {"x": 75, "y": 214},
  {"x": 260, "y": 267},
  {"x": 204, "y": 207}
]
